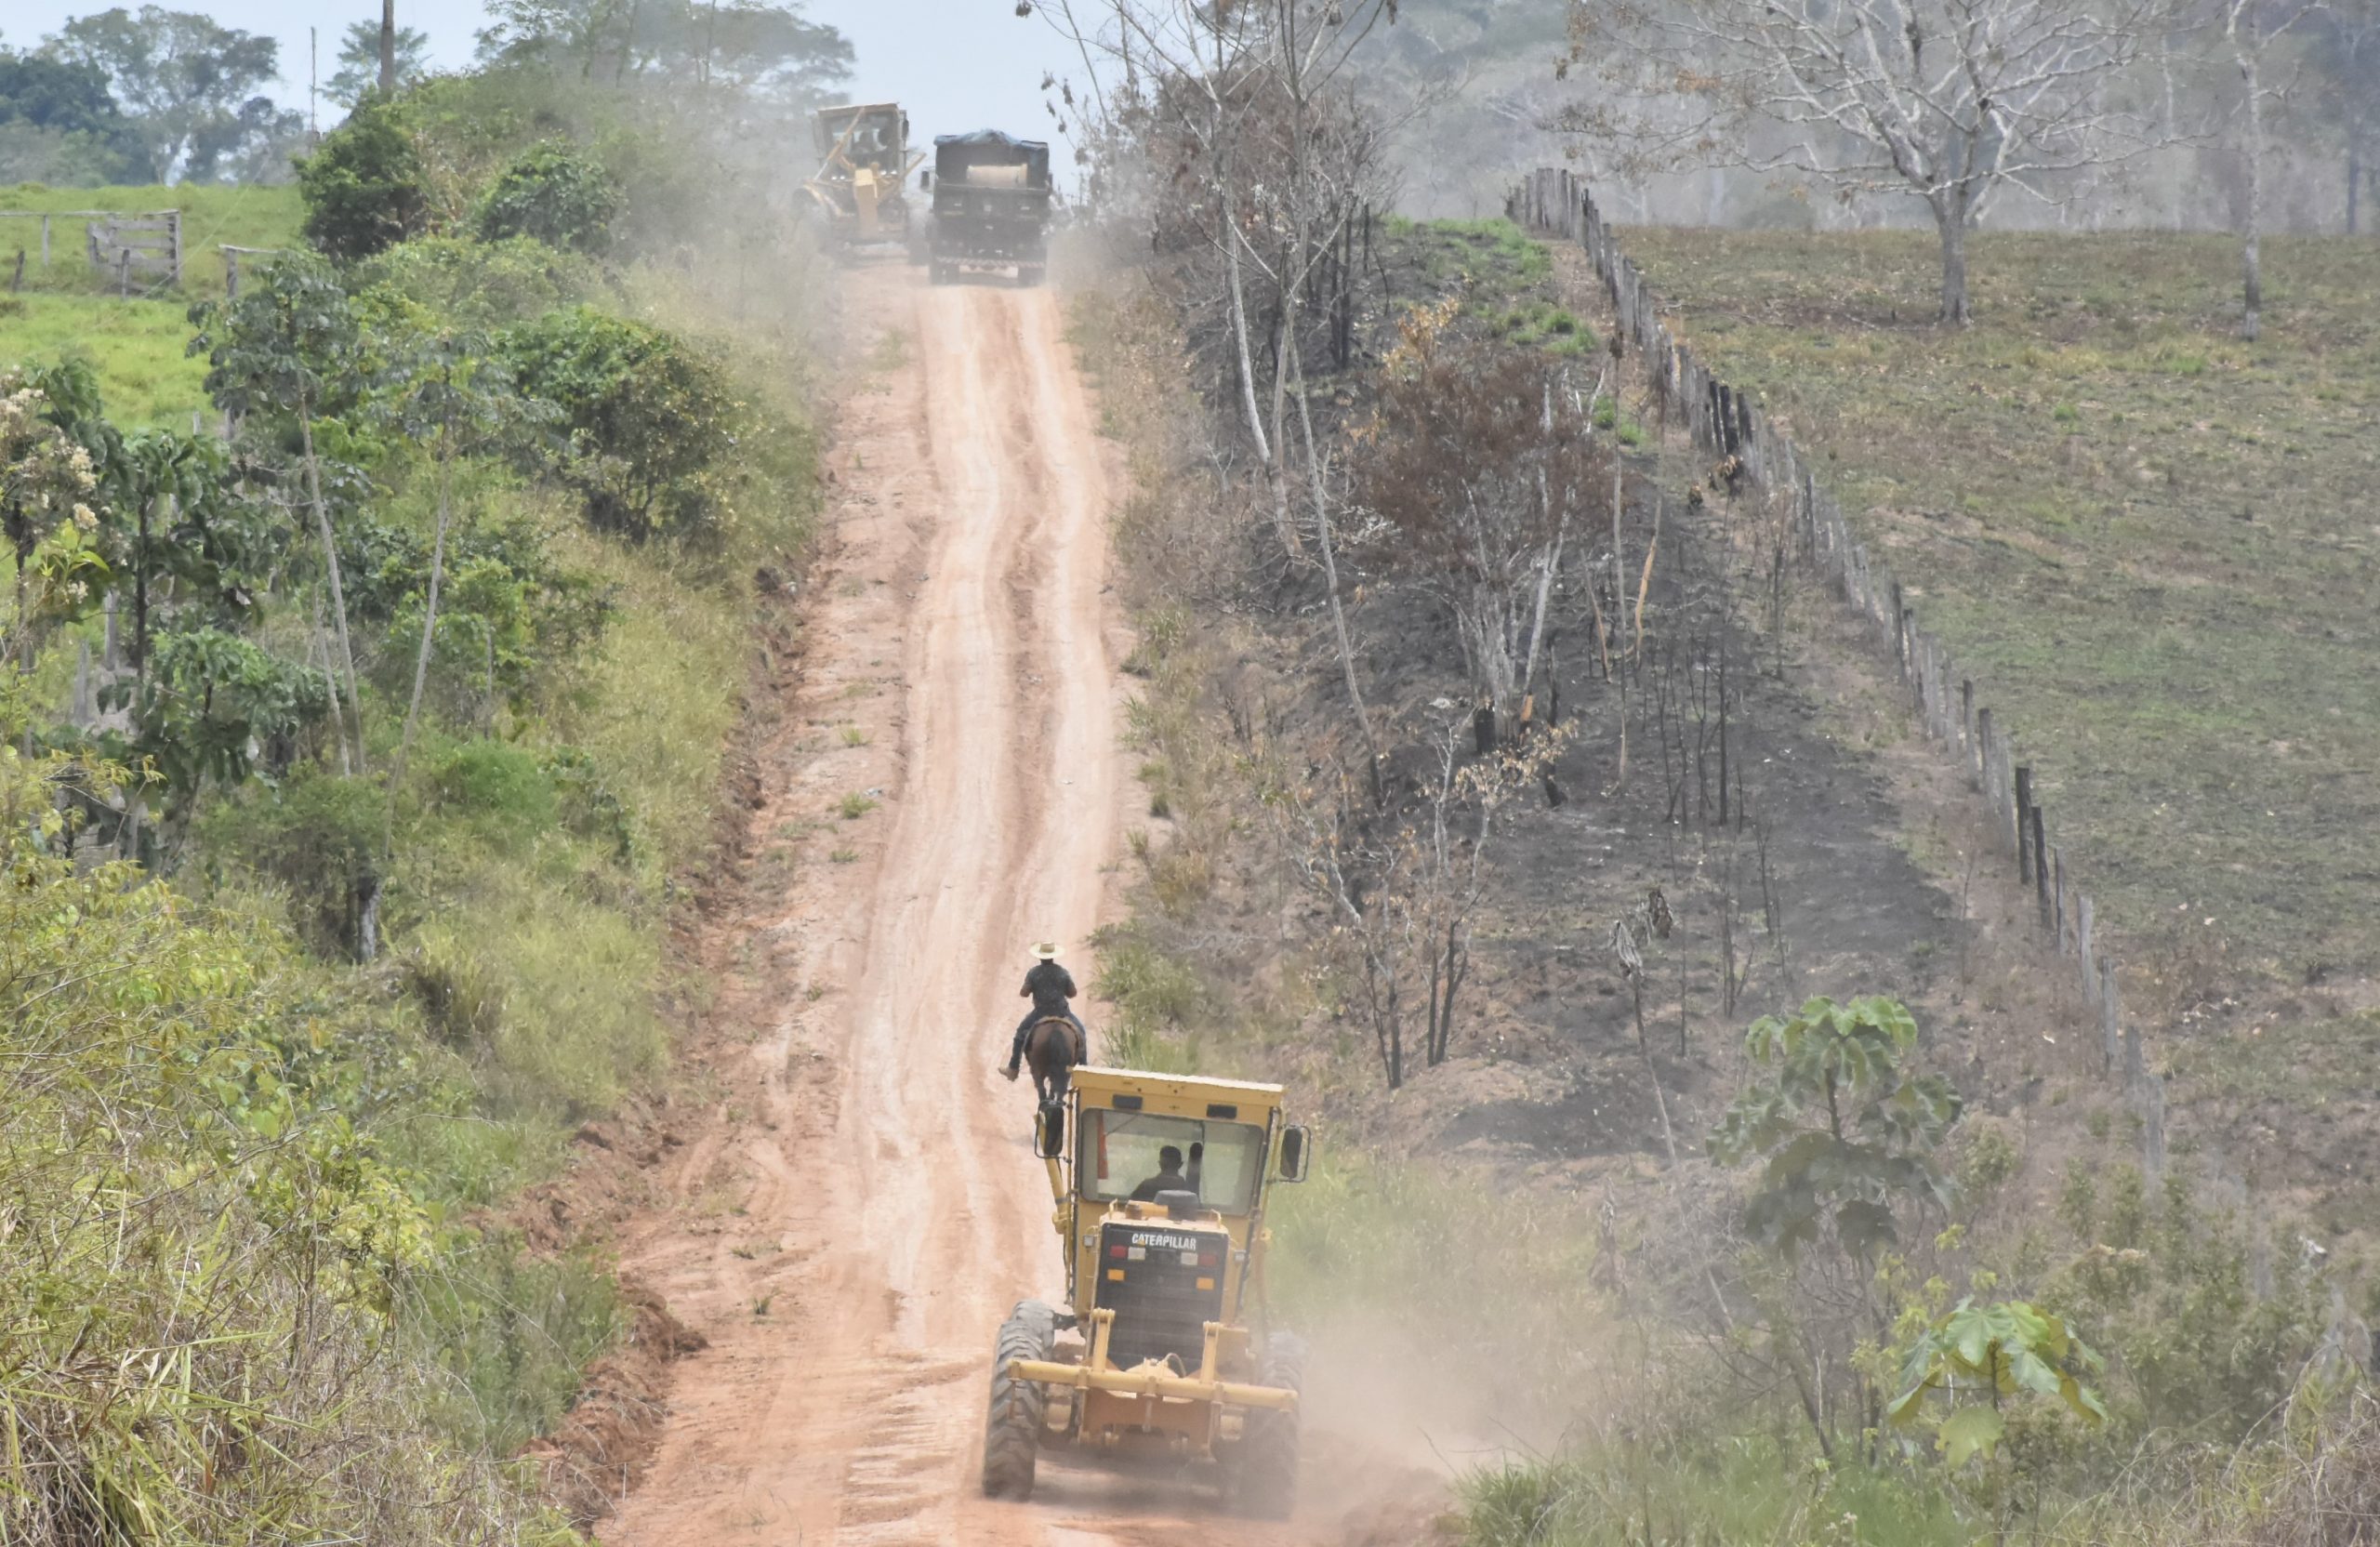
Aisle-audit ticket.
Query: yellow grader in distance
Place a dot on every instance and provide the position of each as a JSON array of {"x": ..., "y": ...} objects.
[
  {"x": 860, "y": 191},
  {"x": 1160, "y": 1214}
]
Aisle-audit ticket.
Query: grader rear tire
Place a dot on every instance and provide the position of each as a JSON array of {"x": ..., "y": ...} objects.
[
  {"x": 1268, "y": 1448},
  {"x": 1014, "y": 1427}
]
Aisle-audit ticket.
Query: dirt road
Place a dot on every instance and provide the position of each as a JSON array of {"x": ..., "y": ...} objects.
[{"x": 859, "y": 1209}]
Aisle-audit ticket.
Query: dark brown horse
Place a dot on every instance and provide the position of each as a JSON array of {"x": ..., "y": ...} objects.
[{"x": 1052, "y": 1047}]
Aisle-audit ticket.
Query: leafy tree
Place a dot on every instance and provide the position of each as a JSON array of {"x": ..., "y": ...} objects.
[
  {"x": 643, "y": 417},
  {"x": 768, "y": 49},
  {"x": 359, "y": 60},
  {"x": 291, "y": 344},
  {"x": 64, "y": 94},
  {"x": 2001, "y": 1352},
  {"x": 365, "y": 189},
  {"x": 481, "y": 285},
  {"x": 58, "y": 125},
  {"x": 49, "y": 488},
  {"x": 554, "y": 194},
  {"x": 1845, "y": 1132},
  {"x": 457, "y": 399},
  {"x": 208, "y": 701},
  {"x": 190, "y": 87}
]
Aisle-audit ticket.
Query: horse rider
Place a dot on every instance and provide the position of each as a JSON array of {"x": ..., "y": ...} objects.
[{"x": 1048, "y": 985}]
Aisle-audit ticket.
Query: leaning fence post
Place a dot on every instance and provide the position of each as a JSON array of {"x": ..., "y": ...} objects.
[
  {"x": 2152, "y": 1125},
  {"x": 44, "y": 241},
  {"x": 2040, "y": 864},
  {"x": 2024, "y": 804}
]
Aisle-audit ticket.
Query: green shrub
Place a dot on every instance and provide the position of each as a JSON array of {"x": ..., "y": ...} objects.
[
  {"x": 315, "y": 840},
  {"x": 365, "y": 189},
  {"x": 481, "y": 285},
  {"x": 647, "y": 417},
  {"x": 500, "y": 789},
  {"x": 554, "y": 194},
  {"x": 514, "y": 1332}
]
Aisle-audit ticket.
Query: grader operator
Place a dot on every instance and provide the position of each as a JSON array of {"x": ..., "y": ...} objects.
[{"x": 1160, "y": 1219}]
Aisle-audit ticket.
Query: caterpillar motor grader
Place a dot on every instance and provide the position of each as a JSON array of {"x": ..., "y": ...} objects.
[
  {"x": 860, "y": 191},
  {"x": 1160, "y": 1219}
]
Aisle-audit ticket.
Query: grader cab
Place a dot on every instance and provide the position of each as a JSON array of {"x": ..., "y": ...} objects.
[
  {"x": 1161, "y": 1184},
  {"x": 860, "y": 190}
]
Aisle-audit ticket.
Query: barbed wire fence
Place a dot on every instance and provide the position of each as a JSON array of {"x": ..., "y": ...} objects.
[{"x": 1725, "y": 422}]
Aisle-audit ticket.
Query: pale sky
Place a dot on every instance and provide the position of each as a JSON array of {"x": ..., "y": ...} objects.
[{"x": 957, "y": 64}]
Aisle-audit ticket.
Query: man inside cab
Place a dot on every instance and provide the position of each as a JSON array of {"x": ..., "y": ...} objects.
[{"x": 1169, "y": 1177}]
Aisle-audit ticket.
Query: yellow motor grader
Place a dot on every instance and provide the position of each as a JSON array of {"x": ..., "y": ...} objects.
[
  {"x": 1161, "y": 1182},
  {"x": 861, "y": 190}
]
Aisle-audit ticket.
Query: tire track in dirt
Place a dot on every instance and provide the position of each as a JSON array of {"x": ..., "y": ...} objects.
[{"x": 860, "y": 1207}]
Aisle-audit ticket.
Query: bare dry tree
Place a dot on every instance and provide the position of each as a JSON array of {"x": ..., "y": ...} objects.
[
  {"x": 1953, "y": 102},
  {"x": 1252, "y": 155},
  {"x": 1476, "y": 465},
  {"x": 2249, "y": 30},
  {"x": 1402, "y": 887}
]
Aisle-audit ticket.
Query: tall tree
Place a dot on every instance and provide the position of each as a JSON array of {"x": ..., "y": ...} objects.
[
  {"x": 2346, "y": 58},
  {"x": 2250, "y": 28},
  {"x": 1950, "y": 101},
  {"x": 291, "y": 346},
  {"x": 770, "y": 49},
  {"x": 359, "y": 61},
  {"x": 191, "y": 87},
  {"x": 58, "y": 125}
]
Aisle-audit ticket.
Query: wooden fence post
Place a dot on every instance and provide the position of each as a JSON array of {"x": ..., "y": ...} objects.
[
  {"x": 2041, "y": 863},
  {"x": 44, "y": 241},
  {"x": 2152, "y": 1125},
  {"x": 2024, "y": 804},
  {"x": 1984, "y": 760},
  {"x": 2112, "y": 1015}
]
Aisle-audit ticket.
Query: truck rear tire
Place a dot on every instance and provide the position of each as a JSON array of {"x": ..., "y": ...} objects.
[
  {"x": 1268, "y": 1445},
  {"x": 1028, "y": 275},
  {"x": 1013, "y": 1429}
]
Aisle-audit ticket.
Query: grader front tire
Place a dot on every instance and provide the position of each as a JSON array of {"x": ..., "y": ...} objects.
[{"x": 1013, "y": 1429}]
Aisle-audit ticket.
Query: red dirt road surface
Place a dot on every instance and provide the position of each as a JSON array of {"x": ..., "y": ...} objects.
[{"x": 860, "y": 1208}]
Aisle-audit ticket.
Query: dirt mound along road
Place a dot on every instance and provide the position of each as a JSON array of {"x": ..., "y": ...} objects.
[{"x": 850, "y": 1227}]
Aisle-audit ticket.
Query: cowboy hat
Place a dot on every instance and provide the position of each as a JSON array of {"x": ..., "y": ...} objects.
[{"x": 1046, "y": 951}]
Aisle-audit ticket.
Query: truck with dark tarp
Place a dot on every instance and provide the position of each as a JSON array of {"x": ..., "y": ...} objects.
[{"x": 991, "y": 206}]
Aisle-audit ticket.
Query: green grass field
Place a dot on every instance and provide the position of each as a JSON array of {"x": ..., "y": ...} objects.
[
  {"x": 138, "y": 346},
  {"x": 136, "y": 343},
  {"x": 2156, "y": 546}
]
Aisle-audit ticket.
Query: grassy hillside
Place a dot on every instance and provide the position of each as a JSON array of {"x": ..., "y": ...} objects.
[
  {"x": 399, "y": 859},
  {"x": 2153, "y": 539}
]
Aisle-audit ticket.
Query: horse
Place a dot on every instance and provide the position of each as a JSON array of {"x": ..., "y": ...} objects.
[{"x": 1052, "y": 1047}]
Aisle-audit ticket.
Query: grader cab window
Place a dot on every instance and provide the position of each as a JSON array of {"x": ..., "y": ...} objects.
[{"x": 1120, "y": 1151}]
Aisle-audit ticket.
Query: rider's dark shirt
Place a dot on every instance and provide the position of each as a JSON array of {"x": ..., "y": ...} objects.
[{"x": 1048, "y": 985}]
